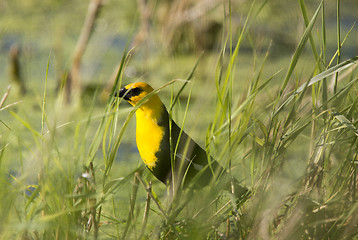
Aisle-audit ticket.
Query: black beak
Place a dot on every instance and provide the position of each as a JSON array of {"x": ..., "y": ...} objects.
[{"x": 122, "y": 94}]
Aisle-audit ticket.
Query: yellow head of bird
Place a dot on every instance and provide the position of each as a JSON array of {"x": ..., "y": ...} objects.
[{"x": 134, "y": 92}]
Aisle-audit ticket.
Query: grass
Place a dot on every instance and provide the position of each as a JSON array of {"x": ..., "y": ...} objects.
[{"x": 290, "y": 136}]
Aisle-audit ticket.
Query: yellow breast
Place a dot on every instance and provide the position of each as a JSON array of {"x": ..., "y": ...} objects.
[{"x": 148, "y": 136}]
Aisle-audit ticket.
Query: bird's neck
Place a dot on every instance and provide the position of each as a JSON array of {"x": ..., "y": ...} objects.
[{"x": 152, "y": 109}]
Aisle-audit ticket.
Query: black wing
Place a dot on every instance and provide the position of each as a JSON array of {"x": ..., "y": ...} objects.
[{"x": 191, "y": 161}]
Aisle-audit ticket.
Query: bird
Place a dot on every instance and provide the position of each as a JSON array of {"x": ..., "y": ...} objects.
[{"x": 169, "y": 153}]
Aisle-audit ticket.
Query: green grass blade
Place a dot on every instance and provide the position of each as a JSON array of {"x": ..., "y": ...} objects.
[
  {"x": 100, "y": 131},
  {"x": 299, "y": 50},
  {"x": 44, "y": 97},
  {"x": 191, "y": 74},
  {"x": 338, "y": 68},
  {"x": 305, "y": 18},
  {"x": 342, "y": 119}
]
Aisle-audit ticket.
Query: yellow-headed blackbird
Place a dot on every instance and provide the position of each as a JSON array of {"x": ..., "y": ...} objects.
[{"x": 161, "y": 142}]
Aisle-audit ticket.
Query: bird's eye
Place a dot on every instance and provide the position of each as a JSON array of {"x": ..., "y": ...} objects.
[{"x": 135, "y": 92}]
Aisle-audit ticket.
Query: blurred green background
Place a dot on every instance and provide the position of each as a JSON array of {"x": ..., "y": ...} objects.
[
  {"x": 177, "y": 32},
  {"x": 166, "y": 38}
]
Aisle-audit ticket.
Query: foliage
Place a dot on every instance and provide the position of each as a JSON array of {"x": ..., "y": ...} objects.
[{"x": 290, "y": 135}]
